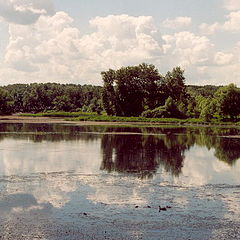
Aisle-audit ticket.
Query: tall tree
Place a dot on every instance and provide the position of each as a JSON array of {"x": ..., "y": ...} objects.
[
  {"x": 174, "y": 85},
  {"x": 109, "y": 95},
  {"x": 129, "y": 89}
]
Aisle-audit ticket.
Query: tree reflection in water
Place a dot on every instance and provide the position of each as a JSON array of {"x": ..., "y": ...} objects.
[
  {"x": 140, "y": 150},
  {"x": 143, "y": 154},
  {"x": 228, "y": 150},
  {"x": 224, "y": 141}
]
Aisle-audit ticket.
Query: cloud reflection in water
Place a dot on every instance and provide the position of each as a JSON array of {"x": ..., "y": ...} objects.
[{"x": 67, "y": 171}]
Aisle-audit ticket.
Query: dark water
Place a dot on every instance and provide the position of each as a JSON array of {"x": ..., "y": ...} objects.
[{"x": 84, "y": 182}]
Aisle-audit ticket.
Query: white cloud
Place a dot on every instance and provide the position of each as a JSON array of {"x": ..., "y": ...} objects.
[
  {"x": 209, "y": 29},
  {"x": 178, "y": 22},
  {"x": 230, "y": 25},
  {"x": 224, "y": 69},
  {"x": 192, "y": 52},
  {"x": 201, "y": 171},
  {"x": 232, "y": 5},
  {"x": 25, "y": 11},
  {"x": 223, "y": 58},
  {"x": 19, "y": 161},
  {"x": 186, "y": 49},
  {"x": 125, "y": 39},
  {"x": 53, "y": 50}
]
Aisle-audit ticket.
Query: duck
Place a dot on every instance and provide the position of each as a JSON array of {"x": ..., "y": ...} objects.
[{"x": 162, "y": 209}]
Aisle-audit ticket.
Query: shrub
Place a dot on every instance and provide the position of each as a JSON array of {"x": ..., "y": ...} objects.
[{"x": 147, "y": 114}]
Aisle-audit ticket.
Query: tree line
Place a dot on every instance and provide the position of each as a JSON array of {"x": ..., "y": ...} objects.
[
  {"x": 40, "y": 97},
  {"x": 142, "y": 91},
  {"x": 129, "y": 91}
]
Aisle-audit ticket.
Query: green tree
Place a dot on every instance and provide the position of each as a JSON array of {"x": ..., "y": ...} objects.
[
  {"x": 228, "y": 99},
  {"x": 63, "y": 103},
  {"x": 32, "y": 99},
  {"x": 5, "y": 105},
  {"x": 174, "y": 85},
  {"x": 208, "y": 109},
  {"x": 205, "y": 91},
  {"x": 169, "y": 110},
  {"x": 109, "y": 95},
  {"x": 53, "y": 96},
  {"x": 129, "y": 90}
]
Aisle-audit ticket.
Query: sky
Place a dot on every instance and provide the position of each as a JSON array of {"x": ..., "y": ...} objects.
[{"x": 73, "y": 41}]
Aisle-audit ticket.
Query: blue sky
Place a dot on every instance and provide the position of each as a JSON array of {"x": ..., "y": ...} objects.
[
  {"x": 160, "y": 9},
  {"x": 72, "y": 41},
  {"x": 82, "y": 11}
]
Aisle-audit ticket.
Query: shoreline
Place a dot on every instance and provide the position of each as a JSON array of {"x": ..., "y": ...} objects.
[
  {"x": 26, "y": 119},
  {"x": 21, "y": 119},
  {"x": 62, "y": 120}
]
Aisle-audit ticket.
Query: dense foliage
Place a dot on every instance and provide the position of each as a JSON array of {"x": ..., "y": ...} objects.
[
  {"x": 133, "y": 91},
  {"x": 49, "y": 96},
  {"x": 130, "y": 91},
  {"x": 142, "y": 91}
]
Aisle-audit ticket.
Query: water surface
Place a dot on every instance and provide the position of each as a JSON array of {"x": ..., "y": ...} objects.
[{"x": 84, "y": 182}]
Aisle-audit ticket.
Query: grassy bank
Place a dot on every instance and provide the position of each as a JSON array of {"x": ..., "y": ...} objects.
[{"x": 83, "y": 116}]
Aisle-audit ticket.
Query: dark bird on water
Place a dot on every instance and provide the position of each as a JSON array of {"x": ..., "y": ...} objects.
[{"x": 162, "y": 209}]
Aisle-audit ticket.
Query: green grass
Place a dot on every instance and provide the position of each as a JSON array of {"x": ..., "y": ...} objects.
[
  {"x": 105, "y": 118},
  {"x": 83, "y": 116}
]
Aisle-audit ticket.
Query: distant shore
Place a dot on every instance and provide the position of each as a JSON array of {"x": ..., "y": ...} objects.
[
  {"x": 37, "y": 118},
  {"x": 23, "y": 119},
  {"x": 29, "y": 119}
]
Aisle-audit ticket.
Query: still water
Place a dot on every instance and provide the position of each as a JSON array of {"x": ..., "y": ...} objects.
[{"x": 103, "y": 182}]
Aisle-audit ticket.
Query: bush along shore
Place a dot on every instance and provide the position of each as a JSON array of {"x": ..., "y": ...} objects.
[{"x": 82, "y": 116}]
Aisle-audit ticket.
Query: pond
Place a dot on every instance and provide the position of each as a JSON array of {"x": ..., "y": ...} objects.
[{"x": 63, "y": 181}]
